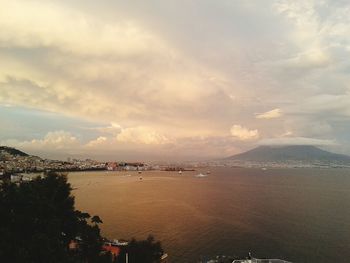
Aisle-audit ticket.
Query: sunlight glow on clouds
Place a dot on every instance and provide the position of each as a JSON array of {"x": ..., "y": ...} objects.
[
  {"x": 141, "y": 135},
  {"x": 99, "y": 141},
  {"x": 272, "y": 114},
  {"x": 143, "y": 78},
  {"x": 57, "y": 140},
  {"x": 244, "y": 134},
  {"x": 31, "y": 24}
]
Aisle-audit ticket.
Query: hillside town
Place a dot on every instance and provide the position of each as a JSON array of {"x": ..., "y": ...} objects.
[
  {"x": 13, "y": 161},
  {"x": 20, "y": 166}
]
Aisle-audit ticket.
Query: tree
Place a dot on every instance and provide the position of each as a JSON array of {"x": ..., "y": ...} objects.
[
  {"x": 96, "y": 220},
  {"x": 143, "y": 251},
  {"x": 38, "y": 221}
]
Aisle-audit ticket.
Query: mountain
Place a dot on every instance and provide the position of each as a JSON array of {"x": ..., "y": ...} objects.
[
  {"x": 11, "y": 151},
  {"x": 305, "y": 153}
]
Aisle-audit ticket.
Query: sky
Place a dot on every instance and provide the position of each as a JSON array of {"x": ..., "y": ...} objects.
[{"x": 175, "y": 79}]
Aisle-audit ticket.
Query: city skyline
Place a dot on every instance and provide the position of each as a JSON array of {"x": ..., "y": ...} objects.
[{"x": 173, "y": 80}]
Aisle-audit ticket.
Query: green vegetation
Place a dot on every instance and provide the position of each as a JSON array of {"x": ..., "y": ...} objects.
[{"x": 38, "y": 221}]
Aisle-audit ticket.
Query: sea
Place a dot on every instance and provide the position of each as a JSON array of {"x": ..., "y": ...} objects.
[{"x": 299, "y": 215}]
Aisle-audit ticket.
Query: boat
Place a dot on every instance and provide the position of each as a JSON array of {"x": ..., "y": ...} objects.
[
  {"x": 117, "y": 242},
  {"x": 264, "y": 168},
  {"x": 200, "y": 175},
  {"x": 164, "y": 256},
  {"x": 180, "y": 172},
  {"x": 248, "y": 259},
  {"x": 139, "y": 172},
  {"x": 256, "y": 260},
  {"x": 208, "y": 172},
  {"x": 140, "y": 178}
]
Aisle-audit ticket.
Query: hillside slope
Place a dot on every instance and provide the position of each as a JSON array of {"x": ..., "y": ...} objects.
[{"x": 285, "y": 153}]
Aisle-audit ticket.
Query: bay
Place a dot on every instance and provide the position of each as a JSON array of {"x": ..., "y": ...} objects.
[{"x": 301, "y": 215}]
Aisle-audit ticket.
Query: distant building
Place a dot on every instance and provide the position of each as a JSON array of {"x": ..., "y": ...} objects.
[
  {"x": 73, "y": 245},
  {"x": 112, "y": 166},
  {"x": 15, "y": 178},
  {"x": 114, "y": 250}
]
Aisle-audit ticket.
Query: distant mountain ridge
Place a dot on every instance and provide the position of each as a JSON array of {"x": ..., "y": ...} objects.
[
  {"x": 289, "y": 153},
  {"x": 11, "y": 151}
]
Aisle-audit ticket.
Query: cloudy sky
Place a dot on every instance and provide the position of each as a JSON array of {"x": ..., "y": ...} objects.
[{"x": 175, "y": 79}]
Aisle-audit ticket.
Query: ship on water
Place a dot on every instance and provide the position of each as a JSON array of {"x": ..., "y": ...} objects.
[
  {"x": 249, "y": 259},
  {"x": 256, "y": 260}
]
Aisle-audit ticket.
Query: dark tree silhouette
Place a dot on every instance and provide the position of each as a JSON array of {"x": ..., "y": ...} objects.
[
  {"x": 144, "y": 251},
  {"x": 38, "y": 222},
  {"x": 96, "y": 220}
]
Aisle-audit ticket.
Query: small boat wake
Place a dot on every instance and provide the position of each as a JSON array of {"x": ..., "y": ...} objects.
[{"x": 201, "y": 175}]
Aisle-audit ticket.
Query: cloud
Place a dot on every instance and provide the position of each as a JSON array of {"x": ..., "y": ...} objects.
[
  {"x": 97, "y": 68},
  {"x": 296, "y": 141},
  {"x": 136, "y": 135},
  {"x": 56, "y": 140},
  {"x": 309, "y": 127},
  {"x": 113, "y": 129},
  {"x": 161, "y": 79},
  {"x": 272, "y": 114},
  {"x": 244, "y": 134},
  {"x": 334, "y": 104},
  {"x": 142, "y": 135},
  {"x": 69, "y": 30},
  {"x": 100, "y": 141},
  {"x": 310, "y": 59}
]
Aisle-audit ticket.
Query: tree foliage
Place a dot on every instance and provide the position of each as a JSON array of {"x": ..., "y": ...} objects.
[
  {"x": 145, "y": 251},
  {"x": 38, "y": 221}
]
